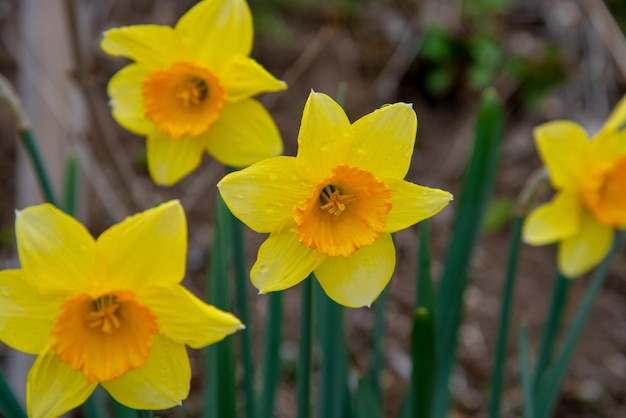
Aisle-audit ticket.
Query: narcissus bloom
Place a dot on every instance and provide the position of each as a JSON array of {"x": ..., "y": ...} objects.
[
  {"x": 190, "y": 90},
  {"x": 589, "y": 176},
  {"x": 109, "y": 311},
  {"x": 332, "y": 208}
]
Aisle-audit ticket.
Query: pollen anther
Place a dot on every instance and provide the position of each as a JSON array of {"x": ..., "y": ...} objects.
[
  {"x": 333, "y": 201},
  {"x": 104, "y": 314},
  {"x": 193, "y": 92},
  {"x": 362, "y": 200}
]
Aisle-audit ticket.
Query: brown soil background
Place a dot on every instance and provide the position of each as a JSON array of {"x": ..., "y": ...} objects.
[{"x": 372, "y": 48}]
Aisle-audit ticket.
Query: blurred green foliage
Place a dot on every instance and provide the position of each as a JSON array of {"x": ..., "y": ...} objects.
[
  {"x": 270, "y": 16},
  {"x": 499, "y": 213},
  {"x": 470, "y": 57},
  {"x": 474, "y": 56},
  {"x": 537, "y": 75},
  {"x": 481, "y": 9}
]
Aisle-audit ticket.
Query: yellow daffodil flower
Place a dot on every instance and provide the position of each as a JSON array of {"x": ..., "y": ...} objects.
[
  {"x": 190, "y": 90},
  {"x": 589, "y": 176},
  {"x": 109, "y": 311},
  {"x": 332, "y": 208}
]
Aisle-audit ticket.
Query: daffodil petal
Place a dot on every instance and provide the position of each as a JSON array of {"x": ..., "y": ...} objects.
[
  {"x": 244, "y": 78},
  {"x": 617, "y": 119},
  {"x": 26, "y": 316},
  {"x": 553, "y": 221},
  {"x": 411, "y": 203},
  {"x": 580, "y": 253},
  {"x": 170, "y": 159},
  {"x": 186, "y": 319},
  {"x": 325, "y": 138},
  {"x": 54, "y": 388},
  {"x": 146, "y": 249},
  {"x": 124, "y": 89},
  {"x": 152, "y": 45},
  {"x": 562, "y": 145},
  {"x": 244, "y": 134},
  {"x": 163, "y": 382},
  {"x": 606, "y": 147},
  {"x": 216, "y": 31},
  {"x": 358, "y": 279},
  {"x": 263, "y": 195},
  {"x": 283, "y": 261},
  {"x": 384, "y": 141},
  {"x": 56, "y": 251}
]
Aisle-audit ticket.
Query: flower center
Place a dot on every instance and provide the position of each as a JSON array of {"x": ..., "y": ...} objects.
[
  {"x": 103, "y": 314},
  {"x": 605, "y": 195},
  {"x": 104, "y": 337},
  {"x": 344, "y": 212},
  {"x": 182, "y": 100},
  {"x": 193, "y": 92},
  {"x": 333, "y": 201}
]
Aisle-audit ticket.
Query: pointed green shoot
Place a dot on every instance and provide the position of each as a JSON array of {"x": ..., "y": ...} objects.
[
  {"x": 243, "y": 311},
  {"x": 474, "y": 198},
  {"x": 423, "y": 356},
  {"x": 220, "y": 389}
]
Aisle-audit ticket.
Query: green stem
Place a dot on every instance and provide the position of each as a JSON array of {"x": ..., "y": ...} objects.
[
  {"x": 243, "y": 310},
  {"x": 551, "y": 383},
  {"x": 122, "y": 411},
  {"x": 94, "y": 406},
  {"x": 305, "y": 349},
  {"x": 377, "y": 344},
  {"x": 424, "y": 338},
  {"x": 524, "y": 364},
  {"x": 423, "y": 357},
  {"x": 505, "y": 318},
  {"x": 40, "y": 170},
  {"x": 271, "y": 359},
  {"x": 70, "y": 185},
  {"x": 332, "y": 393},
  {"x": 220, "y": 389},
  {"x": 557, "y": 307},
  {"x": 9, "y": 405},
  {"x": 425, "y": 291},
  {"x": 365, "y": 403}
]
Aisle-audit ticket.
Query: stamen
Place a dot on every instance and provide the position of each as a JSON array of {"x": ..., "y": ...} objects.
[
  {"x": 103, "y": 316},
  {"x": 193, "y": 92},
  {"x": 333, "y": 201}
]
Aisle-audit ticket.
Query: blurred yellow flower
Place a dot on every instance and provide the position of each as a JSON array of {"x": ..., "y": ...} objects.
[
  {"x": 109, "y": 311},
  {"x": 190, "y": 90},
  {"x": 589, "y": 176},
  {"x": 332, "y": 208}
]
